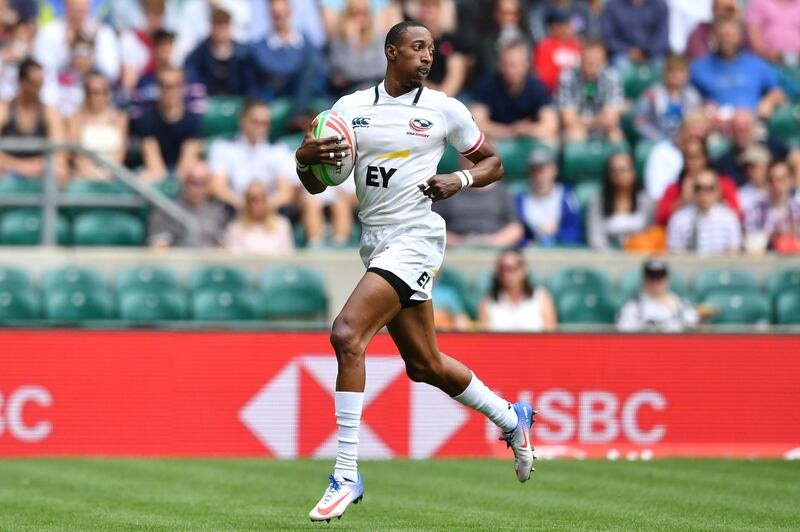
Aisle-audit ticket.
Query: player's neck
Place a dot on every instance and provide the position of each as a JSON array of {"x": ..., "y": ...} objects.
[{"x": 395, "y": 87}]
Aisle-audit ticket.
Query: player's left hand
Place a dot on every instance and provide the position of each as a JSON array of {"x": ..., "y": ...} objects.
[{"x": 440, "y": 186}]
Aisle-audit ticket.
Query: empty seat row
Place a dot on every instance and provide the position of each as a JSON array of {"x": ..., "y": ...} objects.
[{"x": 146, "y": 294}]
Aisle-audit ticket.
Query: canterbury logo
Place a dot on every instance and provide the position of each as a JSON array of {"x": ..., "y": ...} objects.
[{"x": 360, "y": 121}]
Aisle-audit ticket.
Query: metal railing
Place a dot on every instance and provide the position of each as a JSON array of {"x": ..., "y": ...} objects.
[{"x": 51, "y": 198}]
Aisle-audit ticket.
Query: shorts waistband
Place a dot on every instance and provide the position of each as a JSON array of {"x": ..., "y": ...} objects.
[{"x": 410, "y": 221}]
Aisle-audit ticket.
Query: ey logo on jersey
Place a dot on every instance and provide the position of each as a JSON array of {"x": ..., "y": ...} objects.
[{"x": 418, "y": 126}]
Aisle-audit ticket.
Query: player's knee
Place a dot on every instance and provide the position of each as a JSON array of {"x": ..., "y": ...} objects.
[
  {"x": 423, "y": 371},
  {"x": 346, "y": 341}
]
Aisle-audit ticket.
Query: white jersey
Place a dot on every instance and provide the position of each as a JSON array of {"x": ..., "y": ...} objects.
[{"x": 399, "y": 144}]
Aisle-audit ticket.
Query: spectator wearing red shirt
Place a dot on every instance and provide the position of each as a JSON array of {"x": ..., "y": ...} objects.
[
  {"x": 560, "y": 50},
  {"x": 681, "y": 193}
]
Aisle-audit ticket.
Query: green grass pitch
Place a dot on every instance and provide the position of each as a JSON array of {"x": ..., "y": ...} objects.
[{"x": 106, "y": 495}]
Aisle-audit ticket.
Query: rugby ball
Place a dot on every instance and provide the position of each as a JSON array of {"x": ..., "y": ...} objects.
[{"x": 332, "y": 124}]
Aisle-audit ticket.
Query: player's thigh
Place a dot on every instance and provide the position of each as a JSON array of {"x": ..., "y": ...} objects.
[
  {"x": 373, "y": 303},
  {"x": 415, "y": 337}
]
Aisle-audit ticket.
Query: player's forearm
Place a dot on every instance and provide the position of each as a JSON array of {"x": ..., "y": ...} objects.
[
  {"x": 487, "y": 170},
  {"x": 311, "y": 183}
]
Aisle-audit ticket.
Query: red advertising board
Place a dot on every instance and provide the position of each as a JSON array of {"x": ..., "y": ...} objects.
[{"x": 137, "y": 393}]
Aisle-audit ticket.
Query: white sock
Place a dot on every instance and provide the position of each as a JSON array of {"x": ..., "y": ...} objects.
[
  {"x": 348, "y": 418},
  {"x": 479, "y": 397}
]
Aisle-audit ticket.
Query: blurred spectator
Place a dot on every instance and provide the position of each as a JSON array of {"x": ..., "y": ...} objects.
[
  {"x": 777, "y": 216},
  {"x": 744, "y": 134},
  {"x": 138, "y": 46},
  {"x": 219, "y": 63},
  {"x": 549, "y": 211},
  {"x": 193, "y": 24},
  {"x": 259, "y": 229},
  {"x": 287, "y": 63},
  {"x": 582, "y": 20},
  {"x": 661, "y": 108},
  {"x": 172, "y": 136},
  {"x": 506, "y": 24},
  {"x": 701, "y": 39},
  {"x": 635, "y": 31},
  {"x": 656, "y": 307},
  {"x": 665, "y": 161},
  {"x": 558, "y": 51},
  {"x": 484, "y": 216},
  {"x": 26, "y": 116},
  {"x": 308, "y": 18},
  {"x": 72, "y": 79},
  {"x": 513, "y": 303},
  {"x": 14, "y": 11},
  {"x": 235, "y": 164},
  {"x": 730, "y": 78},
  {"x": 210, "y": 215},
  {"x": 16, "y": 43},
  {"x": 98, "y": 126},
  {"x": 621, "y": 209},
  {"x": 705, "y": 226},
  {"x": 681, "y": 193},
  {"x": 773, "y": 27},
  {"x": 55, "y": 40},
  {"x": 356, "y": 55},
  {"x": 512, "y": 102},
  {"x": 451, "y": 58},
  {"x": 58, "y": 8},
  {"x": 684, "y": 17},
  {"x": 590, "y": 98},
  {"x": 756, "y": 159},
  {"x": 448, "y": 310},
  {"x": 339, "y": 203}
]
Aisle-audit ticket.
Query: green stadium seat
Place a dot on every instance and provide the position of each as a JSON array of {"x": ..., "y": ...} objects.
[
  {"x": 722, "y": 280},
  {"x": 514, "y": 153},
  {"x": 14, "y": 278},
  {"x": 636, "y": 79},
  {"x": 107, "y": 228},
  {"x": 783, "y": 281},
  {"x": 585, "y": 191},
  {"x": 785, "y": 122},
  {"x": 218, "y": 278},
  {"x": 72, "y": 278},
  {"x": 87, "y": 186},
  {"x": 585, "y": 160},
  {"x": 455, "y": 278},
  {"x": 567, "y": 279},
  {"x": 630, "y": 283},
  {"x": 280, "y": 112},
  {"x": 586, "y": 306},
  {"x": 170, "y": 187},
  {"x": 11, "y": 186},
  {"x": 147, "y": 306},
  {"x": 223, "y": 305},
  {"x": 78, "y": 305},
  {"x": 739, "y": 307},
  {"x": 146, "y": 279},
  {"x": 23, "y": 227},
  {"x": 450, "y": 162},
  {"x": 222, "y": 115},
  {"x": 18, "y": 303},
  {"x": 787, "y": 308},
  {"x": 292, "y": 293}
]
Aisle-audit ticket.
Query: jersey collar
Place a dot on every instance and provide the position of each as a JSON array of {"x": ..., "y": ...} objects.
[{"x": 381, "y": 94}]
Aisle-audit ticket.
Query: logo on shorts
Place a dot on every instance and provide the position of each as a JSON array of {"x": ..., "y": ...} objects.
[
  {"x": 420, "y": 124},
  {"x": 360, "y": 121},
  {"x": 424, "y": 279}
]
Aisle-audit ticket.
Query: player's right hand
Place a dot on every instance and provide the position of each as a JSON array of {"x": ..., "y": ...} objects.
[{"x": 328, "y": 150}]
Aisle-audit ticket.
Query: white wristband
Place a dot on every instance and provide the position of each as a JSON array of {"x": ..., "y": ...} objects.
[
  {"x": 300, "y": 167},
  {"x": 466, "y": 178}
]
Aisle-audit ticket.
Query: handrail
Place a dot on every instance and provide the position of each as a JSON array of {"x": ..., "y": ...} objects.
[{"x": 51, "y": 199}]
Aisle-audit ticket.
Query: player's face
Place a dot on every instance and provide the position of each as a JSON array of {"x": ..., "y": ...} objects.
[{"x": 413, "y": 57}]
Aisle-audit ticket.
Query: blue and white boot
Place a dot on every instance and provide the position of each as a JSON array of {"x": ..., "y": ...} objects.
[
  {"x": 519, "y": 440},
  {"x": 338, "y": 496}
]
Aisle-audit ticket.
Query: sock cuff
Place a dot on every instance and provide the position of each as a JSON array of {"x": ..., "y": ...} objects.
[{"x": 473, "y": 382}]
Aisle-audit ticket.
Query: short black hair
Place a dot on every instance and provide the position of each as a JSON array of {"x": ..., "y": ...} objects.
[
  {"x": 397, "y": 31},
  {"x": 26, "y": 66}
]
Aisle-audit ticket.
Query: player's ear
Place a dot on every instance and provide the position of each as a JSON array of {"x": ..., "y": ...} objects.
[{"x": 391, "y": 52}]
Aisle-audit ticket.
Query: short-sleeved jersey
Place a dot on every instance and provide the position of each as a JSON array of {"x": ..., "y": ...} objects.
[{"x": 399, "y": 144}]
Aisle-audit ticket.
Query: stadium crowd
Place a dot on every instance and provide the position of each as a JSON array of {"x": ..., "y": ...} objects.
[{"x": 647, "y": 125}]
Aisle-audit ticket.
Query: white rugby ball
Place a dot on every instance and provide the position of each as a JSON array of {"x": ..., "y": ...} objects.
[{"x": 332, "y": 124}]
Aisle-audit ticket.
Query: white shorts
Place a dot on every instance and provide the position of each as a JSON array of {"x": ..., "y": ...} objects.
[{"x": 413, "y": 251}]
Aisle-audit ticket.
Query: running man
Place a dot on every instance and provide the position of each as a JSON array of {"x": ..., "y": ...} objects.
[{"x": 401, "y": 132}]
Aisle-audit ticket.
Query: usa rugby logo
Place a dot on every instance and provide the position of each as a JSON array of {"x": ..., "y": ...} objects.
[{"x": 420, "y": 124}]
